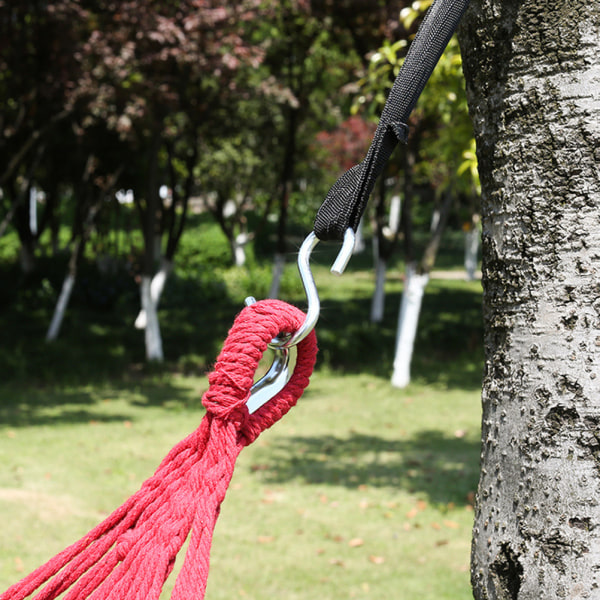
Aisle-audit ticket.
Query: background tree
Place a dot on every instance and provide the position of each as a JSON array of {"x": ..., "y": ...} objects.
[
  {"x": 434, "y": 170},
  {"x": 305, "y": 71},
  {"x": 38, "y": 66},
  {"x": 532, "y": 74},
  {"x": 157, "y": 76}
]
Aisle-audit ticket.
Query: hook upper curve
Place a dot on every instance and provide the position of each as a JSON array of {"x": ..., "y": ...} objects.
[
  {"x": 308, "y": 281},
  {"x": 282, "y": 346}
]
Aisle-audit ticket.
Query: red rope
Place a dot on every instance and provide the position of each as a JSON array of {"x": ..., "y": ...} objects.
[{"x": 131, "y": 553}]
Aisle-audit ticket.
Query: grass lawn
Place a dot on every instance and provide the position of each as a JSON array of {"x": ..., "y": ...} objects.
[{"x": 362, "y": 491}]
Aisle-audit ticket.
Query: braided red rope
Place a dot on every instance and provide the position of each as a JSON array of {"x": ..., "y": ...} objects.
[{"x": 131, "y": 553}]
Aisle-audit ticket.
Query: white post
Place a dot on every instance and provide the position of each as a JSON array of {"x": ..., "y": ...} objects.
[{"x": 410, "y": 307}]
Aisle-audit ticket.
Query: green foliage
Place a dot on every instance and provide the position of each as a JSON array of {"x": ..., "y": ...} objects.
[
  {"x": 441, "y": 119},
  {"x": 200, "y": 299},
  {"x": 202, "y": 248}
]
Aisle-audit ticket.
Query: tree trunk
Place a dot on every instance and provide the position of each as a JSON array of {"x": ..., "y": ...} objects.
[
  {"x": 152, "y": 336},
  {"x": 27, "y": 256},
  {"x": 359, "y": 240},
  {"x": 238, "y": 249},
  {"x": 67, "y": 287},
  {"x": 471, "y": 252},
  {"x": 81, "y": 234},
  {"x": 533, "y": 81},
  {"x": 151, "y": 295},
  {"x": 148, "y": 315},
  {"x": 151, "y": 290},
  {"x": 61, "y": 307},
  {"x": 378, "y": 299},
  {"x": 385, "y": 237},
  {"x": 285, "y": 185},
  {"x": 433, "y": 245},
  {"x": 408, "y": 319},
  {"x": 278, "y": 267}
]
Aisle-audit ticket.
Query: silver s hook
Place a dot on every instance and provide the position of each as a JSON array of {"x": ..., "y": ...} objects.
[
  {"x": 283, "y": 348},
  {"x": 308, "y": 281}
]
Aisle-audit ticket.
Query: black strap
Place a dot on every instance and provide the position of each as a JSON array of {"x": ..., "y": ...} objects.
[{"x": 347, "y": 199}]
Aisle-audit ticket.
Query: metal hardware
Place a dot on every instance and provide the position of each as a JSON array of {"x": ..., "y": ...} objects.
[
  {"x": 308, "y": 281},
  {"x": 283, "y": 347}
]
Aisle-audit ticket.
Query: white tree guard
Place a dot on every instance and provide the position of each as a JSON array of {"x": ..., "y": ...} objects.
[
  {"x": 151, "y": 290},
  {"x": 471, "y": 252},
  {"x": 410, "y": 307},
  {"x": 153, "y": 339},
  {"x": 239, "y": 249},
  {"x": 155, "y": 290},
  {"x": 60, "y": 308}
]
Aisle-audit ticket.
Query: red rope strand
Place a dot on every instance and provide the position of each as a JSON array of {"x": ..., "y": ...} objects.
[{"x": 131, "y": 553}]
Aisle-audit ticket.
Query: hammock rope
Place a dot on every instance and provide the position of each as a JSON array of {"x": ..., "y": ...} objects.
[{"x": 130, "y": 554}]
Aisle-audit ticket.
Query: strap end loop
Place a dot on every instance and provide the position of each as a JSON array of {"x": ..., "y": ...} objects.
[{"x": 400, "y": 130}]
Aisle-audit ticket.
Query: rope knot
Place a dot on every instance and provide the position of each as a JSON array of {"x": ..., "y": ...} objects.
[
  {"x": 125, "y": 544},
  {"x": 233, "y": 374}
]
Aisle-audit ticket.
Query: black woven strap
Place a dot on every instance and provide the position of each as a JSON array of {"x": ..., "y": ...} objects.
[{"x": 347, "y": 199}]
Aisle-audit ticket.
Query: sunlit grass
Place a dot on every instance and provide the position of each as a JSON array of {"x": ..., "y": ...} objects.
[{"x": 362, "y": 491}]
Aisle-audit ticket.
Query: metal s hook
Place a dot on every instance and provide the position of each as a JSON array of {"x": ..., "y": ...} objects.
[
  {"x": 275, "y": 379},
  {"x": 283, "y": 348},
  {"x": 308, "y": 281}
]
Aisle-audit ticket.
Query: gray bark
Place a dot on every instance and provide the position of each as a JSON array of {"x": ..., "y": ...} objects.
[{"x": 533, "y": 82}]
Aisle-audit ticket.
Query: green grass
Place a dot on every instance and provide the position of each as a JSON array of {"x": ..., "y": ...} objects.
[{"x": 362, "y": 491}]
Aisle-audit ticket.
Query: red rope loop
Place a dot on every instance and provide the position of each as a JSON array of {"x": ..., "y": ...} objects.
[
  {"x": 233, "y": 375},
  {"x": 131, "y": 553}
]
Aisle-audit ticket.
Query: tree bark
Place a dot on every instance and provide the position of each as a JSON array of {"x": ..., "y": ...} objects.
[
  {"x": 148, "y": 316},
  {"x": 81, "y": 234},
  {"x": 533, "y": 82},
  {"x": 378, "y": 298}
]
